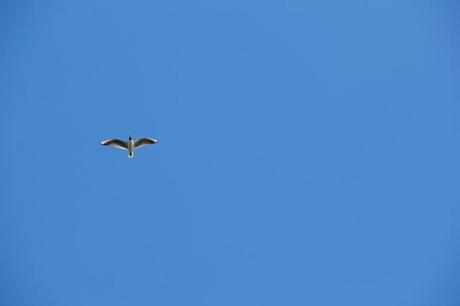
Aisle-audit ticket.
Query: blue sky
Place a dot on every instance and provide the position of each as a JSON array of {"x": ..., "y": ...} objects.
[{"x": 308, "y": 153}]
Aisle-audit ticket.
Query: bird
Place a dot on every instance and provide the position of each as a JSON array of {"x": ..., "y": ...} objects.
[{"x": 129, "y": 145}]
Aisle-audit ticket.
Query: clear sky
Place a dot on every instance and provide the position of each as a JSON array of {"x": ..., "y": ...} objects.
[{"x": 308, "y": 153}]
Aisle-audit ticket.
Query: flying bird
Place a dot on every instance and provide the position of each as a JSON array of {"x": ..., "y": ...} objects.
[{"x": 129, "y": 145}]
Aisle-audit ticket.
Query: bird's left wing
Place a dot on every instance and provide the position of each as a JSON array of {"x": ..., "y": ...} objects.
[
  {"x": 143, "y": 141},
  {"x": 117, "y": 143}
]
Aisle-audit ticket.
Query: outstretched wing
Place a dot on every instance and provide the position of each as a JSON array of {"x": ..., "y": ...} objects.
[
  {"x": 143, "y": 141},
  {"x": 117, "y": 143}
]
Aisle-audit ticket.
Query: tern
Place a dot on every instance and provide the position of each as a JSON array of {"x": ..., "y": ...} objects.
[{"x": 129, "y": 145}]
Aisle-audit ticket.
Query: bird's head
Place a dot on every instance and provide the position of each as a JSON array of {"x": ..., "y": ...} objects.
[{"x": 130, "y": 138}]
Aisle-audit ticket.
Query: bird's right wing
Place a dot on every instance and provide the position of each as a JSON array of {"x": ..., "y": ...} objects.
[
  {"x": 117, "y": 143},
  {"x": 144, "y": 141}
]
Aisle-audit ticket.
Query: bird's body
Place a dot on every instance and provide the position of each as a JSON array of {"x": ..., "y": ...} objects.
[{"x": 129, "y": 145}]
